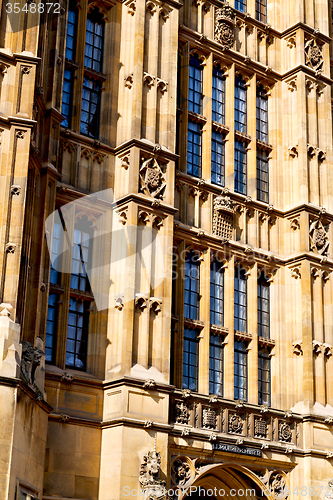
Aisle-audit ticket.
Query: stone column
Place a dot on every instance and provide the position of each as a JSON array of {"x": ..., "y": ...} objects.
[{"x": 304, "y": 310}]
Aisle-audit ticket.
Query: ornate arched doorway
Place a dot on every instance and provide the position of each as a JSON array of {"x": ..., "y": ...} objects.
[{"x": 226, "y": 481}]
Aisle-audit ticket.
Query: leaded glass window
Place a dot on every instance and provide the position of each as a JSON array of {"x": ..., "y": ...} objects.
[
  {"x": 240, "y": 370},
  {"x": 216, "y": 365},
  {"x": 240, "y": 300},
  {"x": 190, "y": 360}
]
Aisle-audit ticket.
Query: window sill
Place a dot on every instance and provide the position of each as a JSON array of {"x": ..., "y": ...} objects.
[
  {"x": 243, "y": 336},
  {"x": 262, "y": 341},
  {"x": 220, "y": 127},
  {"x": 195, "y": 117},
  {"x": 96, "y": 75},
  {"x": 193, "y": 324},
  {"x": 242, "y": 137},
  {"x": 219, "y": 330},
  {"x": 264, "y": 145}
]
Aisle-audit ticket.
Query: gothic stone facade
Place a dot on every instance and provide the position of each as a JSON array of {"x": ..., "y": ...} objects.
[{"x": 212, "y": 125}]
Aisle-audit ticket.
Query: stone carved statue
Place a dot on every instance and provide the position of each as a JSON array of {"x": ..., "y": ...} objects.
[
  {"x": 31, "y": 359},
  {"x": 151, "y": 484}
]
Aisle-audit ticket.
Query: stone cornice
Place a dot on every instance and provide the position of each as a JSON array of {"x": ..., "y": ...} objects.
[
  {"x": 146, "y": 201},
  {"x": 135, "y": 382},
  {"x": 146, "y": 146}
]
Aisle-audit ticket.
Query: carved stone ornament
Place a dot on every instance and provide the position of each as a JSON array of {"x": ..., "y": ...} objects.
[
  {"x": 182, "y": 413},
  {"x": 285, "y": 433},
  {"x": 319, "y": 241},
  {"x": 224, "y": 26},
  {"x": 277, "y": 485},
  {"x": 329, "y": 490},
  {"x": 152, "y": 180},
  {"x": 181, "y": 471},
  {"x": 151, "y": 484},
  {"x": 149, "y": 384},
  {"x": 31, "y": 358},
  {"x": 10, "y": 247},
  {"x": 67, "y": 377},
  {"x": 15, "y": 190},
  {"x": 260, "y": 428},
  {"x": 223, "y": 212},
  {"x": 208, "y": 418},
  {"x": 235, "y": 424},
  {"x": 314, "y": 55}
]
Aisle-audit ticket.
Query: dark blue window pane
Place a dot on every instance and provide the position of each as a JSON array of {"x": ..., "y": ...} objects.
[
  {"x": 192, "y": 287},
  {"x": 90, "y": 112},
  {"x": 263, "y": 307},
  {"x": 194, "y": 149},
  {"x": 93, "y": 56},
  {"x": 262, "y": 114},
  {"x": 264, "y": 377},
  {"x": 71, "y": 32},
  {"x": 240, "y": 105},
  {"x": 79, "y": 278},
  {"x": 195, "y": 85},
  {"x": 240, "y": 5},
  {"x": 240, "y": 300},
  {"x": 216, "y": 365},
  {"x": 262, "y": 176},
  {"x": 217, "y": 161},
  {"x": 76, "y": 348},
  {"x": 190, "y": 360},
  {"x": 218, "y": 95},
  {"x": 67, "y": 97},
  {"x": 240, "y": 370},
  {"x": 56, "y": 251},
  {"x": 261, "y": 10},
  {"x": 216, "y": 293},
  {"x": 240, "y": 167},
  {"x": 50, "y": 335}
]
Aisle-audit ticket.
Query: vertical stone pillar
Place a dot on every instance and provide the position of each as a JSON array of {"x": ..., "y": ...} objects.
[
  {"x": 304, "y": 310},
  {"x": 318, "y": 335}
]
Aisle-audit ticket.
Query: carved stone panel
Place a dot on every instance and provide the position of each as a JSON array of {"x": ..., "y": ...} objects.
[
  {"x": 208, "y": 418},
  {"x": 235, "y": 424},
  {"x": 319, "y": 240},
  {"x": 314, "y": 55},
  {"x": 223, "y": 213},
  {"x": 260, "y": 428},
  {"x": 182, "y": 413},
  {"x": 285, "y": 433},
  {"x": 224, "y": 26},
  {"x": 152, "y": 179}
]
